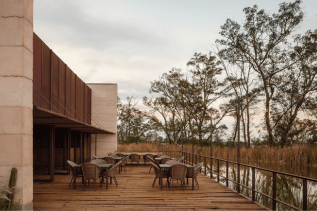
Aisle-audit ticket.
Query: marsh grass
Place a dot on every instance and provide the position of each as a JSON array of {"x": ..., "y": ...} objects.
[{"x": 293, "y": 155}]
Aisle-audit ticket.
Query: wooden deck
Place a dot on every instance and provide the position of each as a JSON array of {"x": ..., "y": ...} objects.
[{"x": 135, "y": 192}]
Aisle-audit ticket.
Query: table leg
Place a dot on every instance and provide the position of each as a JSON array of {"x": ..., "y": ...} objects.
[
  {"x": 161, "y": 178},
  {"x": 107, "y": 178},
  {"x": 75, "y": 171},
  {"x": 193, "y": 186}
]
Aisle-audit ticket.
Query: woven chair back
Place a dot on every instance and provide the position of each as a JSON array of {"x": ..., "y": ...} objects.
[
  {"x": 90, "y": 171},
  {"x": 112, "y": 170},
  {"x": 120, "y": 155},
  {"x": 109, "y": 160},
  {"x": 164, "y": 160},
  {"x": 152, "y": 160},
  {"x": 98, "y": 161},
  {"x": 123, "y": 161},
  {"x": 157, "y": 169},
  {"x": 197, "y": 168},
  {"x": 178, "y": 172},
  {"x": 147, "y": 157},
  {"x": 134, "y": 157}
]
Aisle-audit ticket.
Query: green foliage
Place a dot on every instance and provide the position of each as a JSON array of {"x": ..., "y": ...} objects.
[{"x": 7, "y": 192}]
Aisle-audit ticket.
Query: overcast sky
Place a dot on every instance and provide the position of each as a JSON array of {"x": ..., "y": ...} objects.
[{"x": 132, "y": 42}]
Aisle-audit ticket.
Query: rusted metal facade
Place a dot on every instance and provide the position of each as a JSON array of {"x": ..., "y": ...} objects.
[{"x": 56, "y": 87}]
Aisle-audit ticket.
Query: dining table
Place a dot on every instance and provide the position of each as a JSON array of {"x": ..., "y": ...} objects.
[
  {"x": 160, "y": 159},
  {"x": 167, "y": 166},
  {"x": 104, "y": 167},
  {"x": 139, "y": 153}
]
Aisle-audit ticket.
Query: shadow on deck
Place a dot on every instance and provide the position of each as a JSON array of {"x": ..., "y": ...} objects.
[{"x": 135, "y": 192}]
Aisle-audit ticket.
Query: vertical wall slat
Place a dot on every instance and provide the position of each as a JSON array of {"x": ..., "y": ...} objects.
[{"x": 62, "y": 86}]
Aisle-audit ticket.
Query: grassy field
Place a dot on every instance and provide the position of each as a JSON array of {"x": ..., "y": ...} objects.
[{"x": 298, "y": 155}]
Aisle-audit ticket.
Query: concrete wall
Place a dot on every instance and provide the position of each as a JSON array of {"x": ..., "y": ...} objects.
[
  {"x": 104, "y": 112},
  {"x": 16, "y": 85}
]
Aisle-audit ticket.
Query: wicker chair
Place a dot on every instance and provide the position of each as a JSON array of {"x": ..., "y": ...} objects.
[
  {"x": 159, "y": 154},
  {"x": 122, "y": 163},
  {"x": 98, "y": 161},
  {"x": 120, "y": 155},
  {"x": 146, "y": 159},
  {"x": 172, "y": 162},
  {"x": 158, "y": 174},
  {"x": 109, "y": 160},
  {"x": 164, "y": 160},
  {"x": 181, "y": 159},
  {"x": 91, "y": 171},
  {"x": 134, "y": 158},
  {"x": 72, "y": 168},
  {"x": 152, "y": 160},
  {"x": 111, "y": 173},
  {"x": 95, "y": 156},
  {"x": 197, "y": 168},
  {"x": 178, "y": 172}
]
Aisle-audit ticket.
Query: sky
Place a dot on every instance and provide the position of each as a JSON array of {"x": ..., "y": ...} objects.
[{"x": 133, "y": 42}]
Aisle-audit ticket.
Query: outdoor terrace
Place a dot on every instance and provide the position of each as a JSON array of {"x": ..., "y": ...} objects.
[{"x": 135, "y": 192}]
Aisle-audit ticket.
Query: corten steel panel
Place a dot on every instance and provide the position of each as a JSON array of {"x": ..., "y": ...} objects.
[
  {"x": 82, "y": 100},
  {"x": 62, "y": 86},
  {"x": 73, "y": 93},
  {"x": 46, "y": 76},
  {"x": 68, "y": 91},
  {"x": 78, "y": 96},
  {"x": 54, "y": 82},
  {"x": 89, "y": 107},
  {"x": 37, "y": 69},
  {"x": 85, "y": 102}
]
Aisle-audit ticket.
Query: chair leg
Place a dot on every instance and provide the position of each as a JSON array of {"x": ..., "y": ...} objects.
[
  {"x": 187, "y": 180},
  {"x": 95, "y": 184},
  {"x": 154, "y": 182},
  {"x": 110, "y": 180},
  {"x": 150, "y": 169},
  {"x": 84, "y": 184},
  {"x": 115, "y": 179},
  {"x": 173, "y": 184},
  {"x": 71, "y": 181}
]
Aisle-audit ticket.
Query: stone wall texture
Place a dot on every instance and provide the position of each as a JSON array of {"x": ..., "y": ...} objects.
[
  {"x": 104, "y": 114},
  {"x": 16, "y": 86}
]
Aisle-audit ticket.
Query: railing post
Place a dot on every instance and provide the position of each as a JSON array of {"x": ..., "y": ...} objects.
[
  {"x": 253, "y": 183},
  {"x": 274, "y": 192},
  {"x": 218, "y": 171},
  {"x": 304, "y": 194},
  {"x": 227, "y": 173},
  {"x": 238, "y": 179},
  {"x": 205, "y": 165},
  {"x": 210, "y": 167}
]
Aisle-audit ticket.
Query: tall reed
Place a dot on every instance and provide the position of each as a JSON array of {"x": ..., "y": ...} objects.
[{"x": 293, "y": 155}]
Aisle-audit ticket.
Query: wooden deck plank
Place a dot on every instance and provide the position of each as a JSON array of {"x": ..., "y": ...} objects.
[{"x": 135, "y": 192}]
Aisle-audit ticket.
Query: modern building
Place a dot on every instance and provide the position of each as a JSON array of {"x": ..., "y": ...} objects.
[{"x": 48, "y": 115}]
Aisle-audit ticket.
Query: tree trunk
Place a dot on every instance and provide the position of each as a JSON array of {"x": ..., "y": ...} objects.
[
  {"x": 248, "y": 117},
  {"x": 244, "y": 129}
]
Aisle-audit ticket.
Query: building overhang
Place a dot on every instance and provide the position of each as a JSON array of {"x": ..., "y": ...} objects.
[{"x": 43, "y": 116}]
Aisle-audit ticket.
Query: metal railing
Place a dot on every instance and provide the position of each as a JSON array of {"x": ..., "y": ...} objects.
[{"x": 192, "y": 158}]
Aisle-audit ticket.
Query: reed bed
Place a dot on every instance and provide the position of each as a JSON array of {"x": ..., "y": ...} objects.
[{"x": 293, "y": 155}]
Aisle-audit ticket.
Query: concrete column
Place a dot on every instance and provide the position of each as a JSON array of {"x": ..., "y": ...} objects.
[
  {"x": 104, "y": 113},
  {"x": 16, "y": 86}
]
